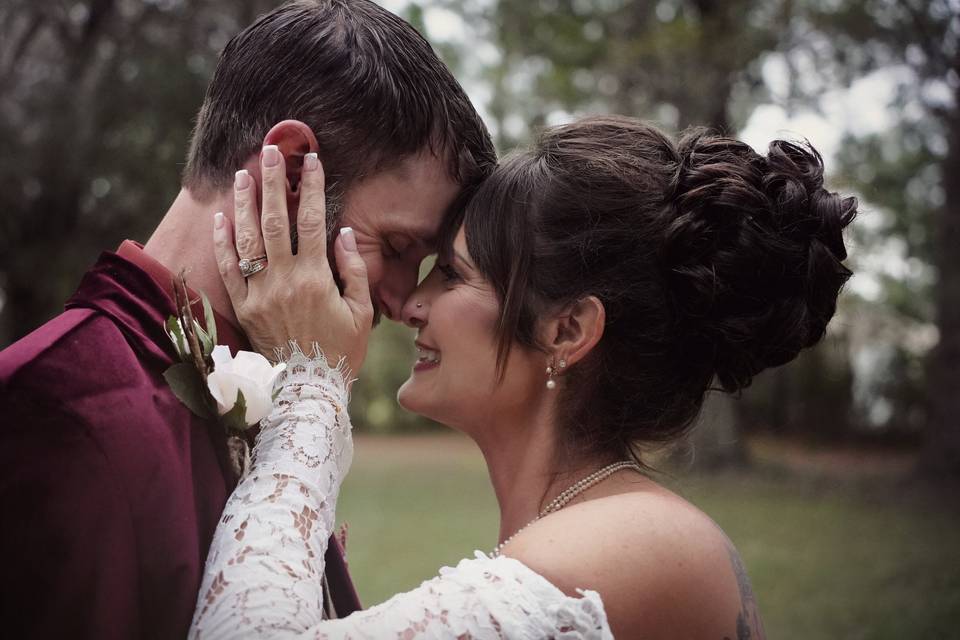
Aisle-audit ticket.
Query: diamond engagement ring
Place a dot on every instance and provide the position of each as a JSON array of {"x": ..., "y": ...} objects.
[{"x": 250, "y": 266}]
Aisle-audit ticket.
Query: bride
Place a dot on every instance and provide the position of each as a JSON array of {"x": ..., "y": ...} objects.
[{"x": 582, "y": 304}]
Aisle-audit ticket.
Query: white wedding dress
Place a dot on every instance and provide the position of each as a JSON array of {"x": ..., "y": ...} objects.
[{"x": 264, "y": 570}]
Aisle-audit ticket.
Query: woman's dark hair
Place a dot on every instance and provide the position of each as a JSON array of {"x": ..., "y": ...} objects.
[
  {"x": 711, "y": 261},
  {"x": 369, "y": 86}
]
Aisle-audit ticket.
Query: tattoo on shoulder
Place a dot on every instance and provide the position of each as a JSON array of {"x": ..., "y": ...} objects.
[{"x": 749, "y": 625}]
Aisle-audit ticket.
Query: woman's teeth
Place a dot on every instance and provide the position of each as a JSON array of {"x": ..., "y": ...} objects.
[{"x": 427, "y": 355}]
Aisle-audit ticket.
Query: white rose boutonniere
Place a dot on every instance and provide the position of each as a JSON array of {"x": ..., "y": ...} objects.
[
  {"x": 237, "y": 391},
  {"x": 247, "y": 378}
]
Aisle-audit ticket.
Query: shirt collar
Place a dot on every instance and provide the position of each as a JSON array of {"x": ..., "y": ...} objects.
[{"x": 227, "y": 333}]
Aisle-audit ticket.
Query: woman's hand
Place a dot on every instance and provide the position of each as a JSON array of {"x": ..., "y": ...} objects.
[{"x": 295, "y": 297}]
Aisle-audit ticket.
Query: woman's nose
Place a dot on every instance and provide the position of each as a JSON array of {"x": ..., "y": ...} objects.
[{"x": 414, "y": 311}]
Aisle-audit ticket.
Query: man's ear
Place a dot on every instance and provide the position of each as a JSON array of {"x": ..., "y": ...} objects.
[
  {"x": 295, "y": 140},
  {"x": 575, "y": 330}
]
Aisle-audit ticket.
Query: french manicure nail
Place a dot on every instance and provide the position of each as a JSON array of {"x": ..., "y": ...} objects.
[
  {"x": 218, "y": 220},
  {"x": 349, "y": 240},
  {"x": 271, "y": 155},
  {"x": 310, "y": 162},
  {"x": 241, "y": 180}
]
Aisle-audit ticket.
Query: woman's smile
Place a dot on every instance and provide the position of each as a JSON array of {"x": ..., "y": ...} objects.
[{"x": 427, "y": 357}]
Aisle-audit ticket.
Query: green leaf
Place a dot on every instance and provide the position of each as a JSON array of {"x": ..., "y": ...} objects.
[
  {"x": 210, "y": 320},
  {"x": 236, "y": 418},
  {"x": 175, "y": 331},
  {"x": 187, "y": 384},
  {"x": 206, "y": 342}
]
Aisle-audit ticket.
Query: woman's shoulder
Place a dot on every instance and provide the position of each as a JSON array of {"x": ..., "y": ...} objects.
[{"x": 662, "y": 567}]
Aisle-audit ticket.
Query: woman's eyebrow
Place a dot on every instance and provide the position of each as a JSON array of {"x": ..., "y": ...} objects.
[{"x": 463, "y": 260}]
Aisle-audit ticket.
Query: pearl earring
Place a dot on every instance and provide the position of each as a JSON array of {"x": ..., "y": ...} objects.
[{"x": 552, "y": 371}]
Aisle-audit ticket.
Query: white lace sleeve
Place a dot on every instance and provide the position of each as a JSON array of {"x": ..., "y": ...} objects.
[
  {"x": 263, "y": 573},
  {"x": 481, "y": 599}
]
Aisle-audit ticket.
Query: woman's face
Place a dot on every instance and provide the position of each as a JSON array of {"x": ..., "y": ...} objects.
[{"x": 454, "y": 379}]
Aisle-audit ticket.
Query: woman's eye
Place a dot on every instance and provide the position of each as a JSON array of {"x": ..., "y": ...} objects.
[{"x": 449, "y": 274}]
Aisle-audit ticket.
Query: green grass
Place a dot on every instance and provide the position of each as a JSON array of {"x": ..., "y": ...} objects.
[
  {"x": 413, "y": 505},
  {"x": 828, "y": 559},
  {"x": 839, "y": 562}
]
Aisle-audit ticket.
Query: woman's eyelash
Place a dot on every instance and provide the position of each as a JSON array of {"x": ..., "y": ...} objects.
[{"x": 448, "y": 272}]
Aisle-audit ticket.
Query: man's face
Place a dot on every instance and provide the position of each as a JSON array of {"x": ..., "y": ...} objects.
[{"x": 396, "y": 216}]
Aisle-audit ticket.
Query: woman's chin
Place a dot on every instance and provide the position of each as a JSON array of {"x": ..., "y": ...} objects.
[
  {"x": 410, "y": 397},
  {"x": 422, "y": 399},
  {"x": 416, "y": 397}
]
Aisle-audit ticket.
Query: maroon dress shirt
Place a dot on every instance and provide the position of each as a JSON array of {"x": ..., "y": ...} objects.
[{"x": 110, "y": 489}]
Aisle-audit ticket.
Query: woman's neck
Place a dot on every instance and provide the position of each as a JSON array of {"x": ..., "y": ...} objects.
[{"x": 526, "y": 467}]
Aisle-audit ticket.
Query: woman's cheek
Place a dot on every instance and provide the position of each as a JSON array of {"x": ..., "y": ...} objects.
[{"x": 475, "y": 323}]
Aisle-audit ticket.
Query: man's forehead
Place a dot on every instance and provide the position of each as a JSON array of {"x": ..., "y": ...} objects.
[
  {"x": 429, "y": 191},
  {"x": 421, "y": 228},
  {"x": 429, "y": 163}
]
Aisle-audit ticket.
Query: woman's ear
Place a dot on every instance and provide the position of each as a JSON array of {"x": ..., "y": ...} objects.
[
  {"x": 575, "y": 330},
  {"x": 295, "y": 140}
]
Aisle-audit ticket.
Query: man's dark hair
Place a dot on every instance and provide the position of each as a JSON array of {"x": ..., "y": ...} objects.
[{"x": 369, "y": 86}]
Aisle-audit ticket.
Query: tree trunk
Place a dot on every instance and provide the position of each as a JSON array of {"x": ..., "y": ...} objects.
[
  {"x": 941, "y": 453},
  {"x": 717, "y": 439}
]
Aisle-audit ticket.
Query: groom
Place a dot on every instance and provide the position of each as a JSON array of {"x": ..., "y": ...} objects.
[{"x": 110, "y": 489}]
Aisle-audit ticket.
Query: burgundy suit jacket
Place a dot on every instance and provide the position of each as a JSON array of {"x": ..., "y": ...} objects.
[{"x": 110, "y": 489}]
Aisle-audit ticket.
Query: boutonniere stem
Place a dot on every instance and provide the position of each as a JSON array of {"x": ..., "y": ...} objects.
[{"x": 236, "y": 391}]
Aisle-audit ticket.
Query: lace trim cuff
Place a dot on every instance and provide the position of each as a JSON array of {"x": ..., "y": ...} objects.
[
  {"x": 306, "y": 367},
  {"x": 308, "y": 431}
]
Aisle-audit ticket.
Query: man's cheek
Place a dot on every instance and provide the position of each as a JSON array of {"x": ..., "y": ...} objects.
[{"x": 374, "y": 262}]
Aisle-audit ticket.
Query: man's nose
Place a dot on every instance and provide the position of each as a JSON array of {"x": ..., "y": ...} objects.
[{"x": 395, "y": 287}]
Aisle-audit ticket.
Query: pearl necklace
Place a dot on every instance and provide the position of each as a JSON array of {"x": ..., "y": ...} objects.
[{"x": 570, "y": 493}]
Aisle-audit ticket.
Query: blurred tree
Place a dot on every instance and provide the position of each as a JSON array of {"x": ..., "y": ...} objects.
[
  {"x": 848, "y": 38},
  {"x": 811, "y": 400},
  {"x": 96, "y": 108},
  {"x": 681, "y": 62},
  {"x": 899, "y": 177}
]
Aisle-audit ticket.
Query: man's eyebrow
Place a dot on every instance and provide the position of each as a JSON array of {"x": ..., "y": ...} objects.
[
  {"x": 420, "y": 238},
  {"x": 429, "y": 240}
]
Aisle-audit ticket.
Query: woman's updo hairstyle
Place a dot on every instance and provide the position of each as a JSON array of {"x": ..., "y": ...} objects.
[{"x": 711, "y": 261}]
